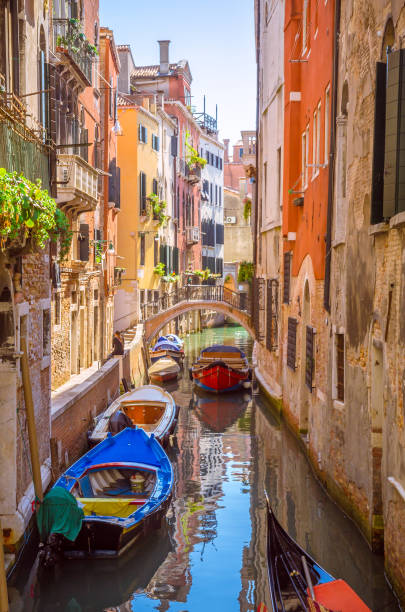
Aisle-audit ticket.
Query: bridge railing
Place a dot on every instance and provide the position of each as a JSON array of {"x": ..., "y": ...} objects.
[{"x": 196, "y": 293}]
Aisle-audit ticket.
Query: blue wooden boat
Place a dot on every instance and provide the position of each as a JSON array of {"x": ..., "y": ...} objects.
[
  {"x": 123, "y": 485},
  {"x": 172, "y": 338},
  {"x": 164, "y": 348}
]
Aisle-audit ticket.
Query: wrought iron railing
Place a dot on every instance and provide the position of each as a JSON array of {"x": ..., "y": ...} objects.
[
  {"x": 196, "y": 293},
  {"x": 68, "y": 39}
]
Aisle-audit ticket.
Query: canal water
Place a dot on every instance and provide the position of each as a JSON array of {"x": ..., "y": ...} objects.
[{"x": 210, "y": 553}]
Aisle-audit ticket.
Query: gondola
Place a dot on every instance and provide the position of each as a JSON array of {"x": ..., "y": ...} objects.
[
  {"x": 149, "y": 407},
  {"x": 165, "y": 348},
  {"x": 221, "y": 368},
  {"x": 298, "y": 583},
  {"x": 163, "y": 370},
  {"x": 123, "y": 486}
]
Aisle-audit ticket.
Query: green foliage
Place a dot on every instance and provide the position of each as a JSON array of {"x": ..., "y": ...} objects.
[
  {"x": 27, "y": 212},
  {"x": 192, "y": 157},
  {"x": 247, "y": 209},
  {"x": 245, "y": 272},
  {"x": 157, "y": 208},
  {"x": 171, "y": 278},
  {"x": 159, "y": 269},
  {"x": 75, "y": 39}
]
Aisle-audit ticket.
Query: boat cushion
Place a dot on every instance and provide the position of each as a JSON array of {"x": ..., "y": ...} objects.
[
  {"x": 121, "y": 508},
  {"x": 338, "y": 595}
]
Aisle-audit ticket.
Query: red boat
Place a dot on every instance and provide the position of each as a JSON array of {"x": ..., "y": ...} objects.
[{"x": 221, "y": 368}]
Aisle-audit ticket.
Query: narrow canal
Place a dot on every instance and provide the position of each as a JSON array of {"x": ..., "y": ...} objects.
[{"x": 210, "y": 553}]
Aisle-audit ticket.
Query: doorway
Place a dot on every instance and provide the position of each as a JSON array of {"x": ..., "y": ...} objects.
[{"x": 304, "y": 392}]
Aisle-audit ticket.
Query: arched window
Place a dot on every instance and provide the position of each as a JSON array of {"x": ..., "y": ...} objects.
[{"x": 388, "y": 40}]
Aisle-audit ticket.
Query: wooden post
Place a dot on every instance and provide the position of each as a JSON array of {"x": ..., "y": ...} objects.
[
  {"x": 3, "y": 581},
  {"x": 32, "y": 432}
]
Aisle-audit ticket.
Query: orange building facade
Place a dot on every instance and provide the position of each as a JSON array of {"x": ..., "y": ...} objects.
[{"x": 308, "y": 62}]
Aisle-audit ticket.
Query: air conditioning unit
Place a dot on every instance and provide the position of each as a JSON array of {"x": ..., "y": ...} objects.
[
  {"x": 230, "y": 219},
  {"x": 192, "y": 235}
]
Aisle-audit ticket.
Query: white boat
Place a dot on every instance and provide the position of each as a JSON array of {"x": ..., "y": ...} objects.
[
  {"x": 150, "y": 407},
  {"x": 164, "y": 369}
]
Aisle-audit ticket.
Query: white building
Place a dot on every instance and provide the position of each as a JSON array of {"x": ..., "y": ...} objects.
[{"x": 212, "y": 204}]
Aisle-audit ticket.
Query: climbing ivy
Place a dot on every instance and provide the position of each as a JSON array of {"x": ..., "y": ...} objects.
[{"x": 27, "y": 212}]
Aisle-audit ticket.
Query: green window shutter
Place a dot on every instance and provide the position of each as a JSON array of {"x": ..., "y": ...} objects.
[{"x": 379, "y": 144}]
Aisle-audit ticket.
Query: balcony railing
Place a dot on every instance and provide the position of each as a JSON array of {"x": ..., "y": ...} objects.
[
  {"x": 69, "y": 41},
  {"x": 76, "y": 179}
]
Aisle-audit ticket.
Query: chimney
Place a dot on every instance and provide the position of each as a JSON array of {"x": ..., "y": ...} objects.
[
  {"x": 164, "y": 56},
  {"x": 226, "y": 152}
]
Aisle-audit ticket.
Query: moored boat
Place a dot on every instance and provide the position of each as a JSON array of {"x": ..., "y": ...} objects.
[
  {"x": 298, "y": 583},
  {"x": 221, "y": 368},
  {"x": 149, "y": 407},
  {"x": 163, "y": 370},
  {"x": 172, "y": 338},
  {"x": 165, "y": 348},
  {"x": 123, "y": 486}
]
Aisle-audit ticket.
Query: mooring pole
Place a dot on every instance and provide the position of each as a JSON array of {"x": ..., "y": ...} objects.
[
  {"x": 3, "y": 580},
  {"x": 32, "y": 431}
]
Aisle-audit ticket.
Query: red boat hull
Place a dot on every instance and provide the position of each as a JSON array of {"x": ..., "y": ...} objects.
[{"x": 219, "y": 378}]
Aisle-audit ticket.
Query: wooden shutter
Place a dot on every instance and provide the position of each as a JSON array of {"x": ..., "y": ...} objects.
[
  {"x": 142, "y": 250},
  {"x": 155, "y": 252},
  {"x": 291, "y": 342},
  {"x": 145, "y": 135},
  {"x": 84, "y": 247},
  {"x": 174, "y": 146},
  {"x": 176, "y": 260},
  {"x": 272, "y": 314},
  {"x": 379, "y": 144},
  {"x": 155, "y": 187},
  {"x": 309, "y": 357},
  {"x": 118, "y": 187},
  {"x": 287, "y": 278},
  {"x": 394, "y": 190},
  {"x": 142, "y": 193}
]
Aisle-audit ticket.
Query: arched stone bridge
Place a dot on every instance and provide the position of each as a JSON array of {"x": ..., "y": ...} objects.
[{"x": 158, "y": 313}]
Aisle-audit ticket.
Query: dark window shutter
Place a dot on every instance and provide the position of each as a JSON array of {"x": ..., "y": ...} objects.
[
  {"x": 309, "y": 357},
  {"x": 379, "y": 144},
  {"x": 142, "y": 193},
  {"x": 157, "y": 143},
  {"x": 142, "y": 250},
  {"x": 145, "y": 135},
  {"x": 272, "y": 314},
  {"x": 394, "y": 190},
  {"x": 176, "y": 260},
  {"x": 258, "y": 307},
  {"x": 111, "y": 180},
  {"x": 340, "y": 366},
  {"x": 84, "y": 242},
  {"x": 155, "y": 252},
  {"x": 220, "y": 234},
  {"x": 291, "y": 342},
  {"x": 174, "y": 146},
  {"x": 287, "y": 278},
  {"x": 118, "y": 188},
  {"x": 155, "y": 186}
]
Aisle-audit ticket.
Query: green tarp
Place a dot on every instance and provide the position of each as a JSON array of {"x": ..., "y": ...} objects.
[{"x": 59, "y": 513}]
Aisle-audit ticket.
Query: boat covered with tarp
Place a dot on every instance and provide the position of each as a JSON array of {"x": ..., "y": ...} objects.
[
  {"x": 298, "y": 583},
  {"x": 165, "y": 348},
  {"x": 221, "y": 368},
  {"x": 122, "y": 488},
  {"x": 173, "y": 338},
  {"x": 149, "y": 407}
]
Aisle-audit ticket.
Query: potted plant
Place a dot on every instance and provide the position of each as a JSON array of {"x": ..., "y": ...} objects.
[
  {"x": 157, "y": 208},
  {"x": 159, "y": 269},
  {"x": 246, "y": 272},
  {"x": 193, "y": 160}
]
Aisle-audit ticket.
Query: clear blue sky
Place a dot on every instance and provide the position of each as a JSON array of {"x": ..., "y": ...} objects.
[{"x": 215, "y": 36}]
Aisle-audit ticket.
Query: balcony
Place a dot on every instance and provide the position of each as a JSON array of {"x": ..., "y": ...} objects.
[
  {"x": 77, "y": 183},
  {"x": 193, "y": 174},
  {"x": 192, "y": 235},
  {"x": 73, "y": 49}
]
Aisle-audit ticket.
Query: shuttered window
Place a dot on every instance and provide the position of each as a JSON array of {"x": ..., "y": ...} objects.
[
  {"x": 142, "y": 133},
  {"x": 142, "y": 193},
  {"x": 84, "y": 248},
  {"x": 291, "y": 342},
  {"x": 220, "y": 234},
  {"x": 155, "y": 187},
  {"x": 272, "y": 314},
  {"x": 142, "y": 250},
  {"x": 155, "y": 142},
  {"x": 287, "y": 278},
  {"x": 174, "y": 146},
  {"x": 379, "y": 144},
  {"x": 155, "y": 252},
  {"x": 259, "y": 308},
  {"x": 309, "y": 357},
  {"x": 394, "y": 166},
  {"x": 340, "y": 367},
  {"x": 176, "y": 260}
]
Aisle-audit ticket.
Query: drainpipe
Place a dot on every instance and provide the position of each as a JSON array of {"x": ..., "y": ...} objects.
[
  {"x": 331, "y": 177},
  {"x": 256, "y": 216},
  {"x": 104, "y": 339}
]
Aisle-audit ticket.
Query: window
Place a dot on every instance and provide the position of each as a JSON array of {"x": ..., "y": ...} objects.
[
  {"x": 57, "y": 308},
  {"x": 220, "y": 196},
  {"x": 155, "y": 142},
  {"x": 142, "y": 250},
  {"x": 287, "y": 277},
  {"x": 142, "y": 193},
  {"x": 155, "y": 187},
  {"x": 211, "y": 193},
  {"x": 216, "y": 194},
  {"x": 111, "y": 97},
  {"x": 155, "y": 252},
  {"x": 241, "y": 152},
  {"x": 46, "y": 332},
  {"x": 306, "y": 15},
  {"x": 304, "y": 158},
  {"x": 316, "y": 142},
  {"x": 327, "y": 110},
  {"x": 309, "y": 357},
  {"x": 142, "y": 133},
  {"x": 272, "y": 315},
  {"x": 340, "y": 367},
  {"x": 291, "y": 342}
]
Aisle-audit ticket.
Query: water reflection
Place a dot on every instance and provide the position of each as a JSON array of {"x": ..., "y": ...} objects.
[{"x": 210, "y": 555}]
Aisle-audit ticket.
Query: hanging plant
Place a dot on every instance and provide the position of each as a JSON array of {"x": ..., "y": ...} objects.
[
  {"x": 245, "y": 272},
  {"x": 171, "y": 278},
  {"x": 157, "y": 208},
  {"x": 28, "y": 213},
  {"x": 193, "y": 160},
  {"x": 247, "y": 208},
  {"x": 159, "y": 269}
]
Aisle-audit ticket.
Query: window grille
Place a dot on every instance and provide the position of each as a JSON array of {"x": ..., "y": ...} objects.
[
  {"x": 272, "y": 314},
  {"x": 309, "y": 357},
  {"x": 287, "y": 277},
  {"x": 291, "y": 343}
]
